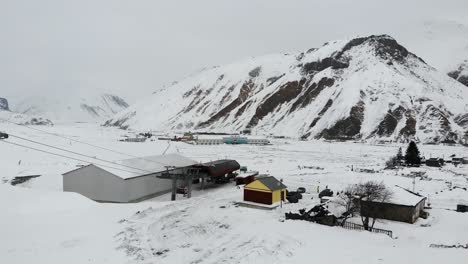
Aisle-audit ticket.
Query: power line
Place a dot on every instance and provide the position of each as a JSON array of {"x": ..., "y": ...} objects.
[
  {"x": 76, "y": 153},
  {"x": 63, "y": 156},
  {"x": 85, "y": 143}
]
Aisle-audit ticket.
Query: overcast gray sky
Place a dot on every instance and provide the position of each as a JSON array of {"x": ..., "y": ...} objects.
[{"x": 132, "y": 47}]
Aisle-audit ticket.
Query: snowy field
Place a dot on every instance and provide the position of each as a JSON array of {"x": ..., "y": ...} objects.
[{"x": 41, "y": 224}]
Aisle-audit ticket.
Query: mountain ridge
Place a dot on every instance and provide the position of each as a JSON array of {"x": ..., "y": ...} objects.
[
  {"x": 362, "y": 88},
  {"x": 72, "y": 107},
  {"x": 461, "y": 73}
]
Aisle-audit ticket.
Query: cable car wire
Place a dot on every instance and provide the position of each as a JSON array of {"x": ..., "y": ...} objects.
[
  {"x": 76, "y": 153},
  {"x": 82, "y": 142},
  {"x": 64, "y": 156}
]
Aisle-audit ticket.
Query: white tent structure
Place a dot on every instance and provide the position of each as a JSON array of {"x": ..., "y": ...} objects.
[{"x": 105, "y": 184}]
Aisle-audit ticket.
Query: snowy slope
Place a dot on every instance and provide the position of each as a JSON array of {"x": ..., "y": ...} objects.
[
  {"x": 72, "y": 106},
  {"x": 461, "y": 73},
  {"x": 23, "y": 119},
  {"x": 363, "y": 88}
]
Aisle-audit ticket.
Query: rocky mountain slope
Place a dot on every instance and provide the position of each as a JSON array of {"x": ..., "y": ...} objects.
[
  {"x": 72, "y": 107},
  {"x": 23, "y": 119},
  {"x": 461, "y": 73},
  {"x": 4, "y": 104},
  {"x": 7, "y": 115},
  {"x": 364, "y": 88}
]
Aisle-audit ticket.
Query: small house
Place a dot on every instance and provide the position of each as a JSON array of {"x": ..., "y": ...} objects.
[
  {"x": 266, "y": 190},
  {"x": 246, "y": 132},
  {"x": 434, "y": 162},
  {"x": 403, "y": 206},
  {"x": 461, "y": 208}
]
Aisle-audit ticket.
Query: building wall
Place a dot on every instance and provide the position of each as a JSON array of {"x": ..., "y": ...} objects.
[
  {"x": 257, "y": 196},
  {"x": 96, "y": 184},
  {"x": 204, "y": 141},
  {"x": 432, "y": 163},
  {"x": 235, "y": 140},
  {"x": 277, "y": 195},
  {"x": 257, "y": 192},
  {"x": 418, "y": 210},
  {"x": 257, "y": 185},
  {"x": 146, "y": 187},
  {"x": 258, "y": 141},
  {"x": 100, "y": 185},
  {"x": 402, "y": 213}
]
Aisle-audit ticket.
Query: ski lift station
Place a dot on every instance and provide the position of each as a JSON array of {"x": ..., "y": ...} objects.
[
  {"x": 110, "y": 184},
  {"x": 152, "y": 176}
]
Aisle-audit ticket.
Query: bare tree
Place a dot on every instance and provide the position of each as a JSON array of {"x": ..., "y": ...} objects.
[
  {"x": 391, "y": 163},
  {"x": 347, "y": 199},
  {"x": 369, "y": 193}
]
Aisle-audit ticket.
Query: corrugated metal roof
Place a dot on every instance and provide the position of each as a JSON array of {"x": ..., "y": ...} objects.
[
  {"x": 272, "y": 183},
  {"x": 220, "y": 168},
  {"x": 153, "y": 164}
]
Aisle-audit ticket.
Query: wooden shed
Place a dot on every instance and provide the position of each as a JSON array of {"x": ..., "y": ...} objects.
[
  {"x": 434, "y": 162},
  {"x": 267, "y": 190}
]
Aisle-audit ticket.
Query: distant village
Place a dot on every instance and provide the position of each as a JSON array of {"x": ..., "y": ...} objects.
[{"x": 204, "y": 138}]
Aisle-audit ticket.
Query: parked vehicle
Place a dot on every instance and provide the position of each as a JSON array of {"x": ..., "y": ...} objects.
[{"x": 301, "y": 190}]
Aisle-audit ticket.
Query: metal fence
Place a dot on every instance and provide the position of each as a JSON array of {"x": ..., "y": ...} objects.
[{"x": 353, "y": 226}]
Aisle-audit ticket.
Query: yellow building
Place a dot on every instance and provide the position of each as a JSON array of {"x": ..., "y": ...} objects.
[{"x": 266, "y": 190}]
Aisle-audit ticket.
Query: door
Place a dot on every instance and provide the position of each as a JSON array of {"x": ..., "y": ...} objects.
[{"x": 258, "y": 197}]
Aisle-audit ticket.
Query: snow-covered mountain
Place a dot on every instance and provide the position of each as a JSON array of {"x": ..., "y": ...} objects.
[
  {"x": 363, "y": 88},
  {"x": 461, "y": 73},
  {"x": 4, "y": 104},
  {"x": 84, "y": 106},
  {"x": 23, "y": 119}
]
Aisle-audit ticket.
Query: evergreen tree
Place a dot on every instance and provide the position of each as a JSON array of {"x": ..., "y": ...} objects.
[
  {"x": 400, "y": 155},
  {"x": 412, "y": 154}
]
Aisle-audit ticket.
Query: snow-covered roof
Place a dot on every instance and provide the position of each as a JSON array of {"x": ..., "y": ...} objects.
[
  {"x": 272, "y": 183},
  {"x": 247, "y": 174},
  {"x": 150, "y": 164},
  {"x": 404, "y": 197}
]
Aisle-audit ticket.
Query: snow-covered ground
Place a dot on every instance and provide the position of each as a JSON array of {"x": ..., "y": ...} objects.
[{"x": 41, "y": 224}]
